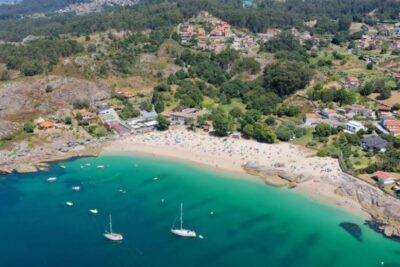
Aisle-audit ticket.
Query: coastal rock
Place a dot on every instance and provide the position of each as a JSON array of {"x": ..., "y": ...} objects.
[{"x": 25, "y": 168}]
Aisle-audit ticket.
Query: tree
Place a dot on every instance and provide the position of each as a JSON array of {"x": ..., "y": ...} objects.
[
  {"x": 248, "y": 130},
  {"x": 146, "y": 105},
  {"x": 236, "y": 112},
  {"x": 4, "y": 75},
  {"x": 68, "y": 120},
  {"x": 263, "y": 133},
  {"x": 81, "y": 103},
  {"x": 162, "y": 123},
  {"x": 323, "y": 130},
  {"x": 29, "y": 127},
  {"x": 222, "y": 123},
  {"x": 285, "y": 77}
]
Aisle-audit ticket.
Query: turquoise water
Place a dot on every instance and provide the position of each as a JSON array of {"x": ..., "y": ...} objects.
[{"x": 252, "y": 225}]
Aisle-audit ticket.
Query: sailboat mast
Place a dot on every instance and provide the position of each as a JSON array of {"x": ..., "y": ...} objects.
[
  {"x": 181, "y": 216},
  {"x": 110, "y": 225}
]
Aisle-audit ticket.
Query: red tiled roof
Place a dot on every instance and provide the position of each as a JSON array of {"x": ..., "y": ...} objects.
[
  {"x": 382, "y": 175},
  {"x": 312, "y": 116},
  {"x": 392, "y": 123}
]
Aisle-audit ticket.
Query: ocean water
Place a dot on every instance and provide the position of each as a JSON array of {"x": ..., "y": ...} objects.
[{"x": 252, "y": 224}]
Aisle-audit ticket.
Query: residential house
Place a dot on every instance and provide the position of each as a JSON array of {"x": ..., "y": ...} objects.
[
  {"x": 351, "y": 82},
  {"x": 355, "y": 109},
  {"x": 179, "y": 117},
  {"x": 354, "y": 127},
  {"x": 383, "y": 178},
  {"x": 374, "y": 144},
  {"x": 392, "y": 126},
  {"x": 328, "y": 113},
  {"x": 201, "y": 31},
  {"x": 311, "y": 119}
]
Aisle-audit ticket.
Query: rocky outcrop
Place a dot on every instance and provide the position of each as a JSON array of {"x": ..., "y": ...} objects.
[
  {"x": 275, "y": 176},
  {"x": 30, "y": 96},
  {"x": 383, "y": 208}
]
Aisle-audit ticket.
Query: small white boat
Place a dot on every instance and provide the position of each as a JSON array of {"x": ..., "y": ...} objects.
[
  {"x": 122, "y": 191},
  {"x": 100, "y": 166},
  {"x": 111, "y": 235},
  {"x": 51, "y": 179},
  {"x": 201, "y": 237},
  {"x": 69, "y": 204},
  {"x": 63, "y": 166},
  {"x": 87, "y": 164},
  {"x": 76, "y": 188},
  {"x": 155, "y": 178},
  {"x": 94, "y": 211},
  {"x": 181, "y": 231}
]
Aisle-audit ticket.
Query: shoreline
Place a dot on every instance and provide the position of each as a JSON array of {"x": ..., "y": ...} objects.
[
  {"x": 281, "y": 165},
  {"x": 269, "y": 180},
  {"x": 237, "y": 169}
]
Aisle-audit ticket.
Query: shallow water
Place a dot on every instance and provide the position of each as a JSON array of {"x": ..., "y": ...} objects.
[{"x": 252, "y": 224}]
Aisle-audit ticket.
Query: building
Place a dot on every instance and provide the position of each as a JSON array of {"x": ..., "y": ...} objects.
[
  {"x": 383, "y": 178},
  {"x": 392, "y": 126},
  {"x": 327, "y": 113},
  {"x": 374, "y": 144},
  {"x": 353, "y": 127},
  {"x": 46, "y": 125},
  {"x": 312, "y": 119},
  {"x": 355, "y": 109},
  {"x": 351, "y": 82},
  {"x": 145, "y": 122},
  {"x": 180, "y": 117},
  {"x": 88, "y": 116}
]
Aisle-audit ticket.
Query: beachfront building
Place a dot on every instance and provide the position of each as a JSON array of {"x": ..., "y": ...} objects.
[
  {"x": 374, "y": 144},
  {"x": 145, "y": 122},
  {"x": 353, "y": 127},
  {"x": 179, "y": 117},
  {"x": 383, "y": 178}
]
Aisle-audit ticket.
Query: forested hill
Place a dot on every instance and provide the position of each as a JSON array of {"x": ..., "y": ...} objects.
[
  {"x": 154, "y": 14},
  {"x": 34, "y": 6}
]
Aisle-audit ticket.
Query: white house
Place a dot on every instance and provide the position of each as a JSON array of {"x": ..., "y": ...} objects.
[
  {"x": 353, "y": 127},
  {"x": 383, "y": 178}
]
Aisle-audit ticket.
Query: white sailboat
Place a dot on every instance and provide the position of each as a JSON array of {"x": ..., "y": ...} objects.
[
  {"x": 181, "y": 231},
  {"x": 112, "y": 236}
]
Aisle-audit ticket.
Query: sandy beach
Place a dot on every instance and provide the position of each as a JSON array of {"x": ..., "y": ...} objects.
[{"x": 320, "y": 177}]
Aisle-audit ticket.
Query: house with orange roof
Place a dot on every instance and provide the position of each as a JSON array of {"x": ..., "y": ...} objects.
[
  {"x": 46, "y": 125},
  {"x": 393, "y": 126},
  {"x": 128, "y": 94},
  {"x": 351, "y": 82},
  {"x": 311, "y": 119},
  {"x": 383, "y": 178}
]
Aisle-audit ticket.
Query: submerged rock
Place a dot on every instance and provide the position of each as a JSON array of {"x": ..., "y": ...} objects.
[{"x": 353, "y": 229}]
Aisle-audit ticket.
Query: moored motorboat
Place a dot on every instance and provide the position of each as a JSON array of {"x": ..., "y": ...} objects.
[
  {"x": 94, "y": 211},
  {"x": 76, "y": 188},
  {"x": 69, "y": 203},
  {"x": 51, "y": 179}
]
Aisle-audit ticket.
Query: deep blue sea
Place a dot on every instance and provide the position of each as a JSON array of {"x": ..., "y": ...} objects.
[{"x": 244, "y": 222}]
